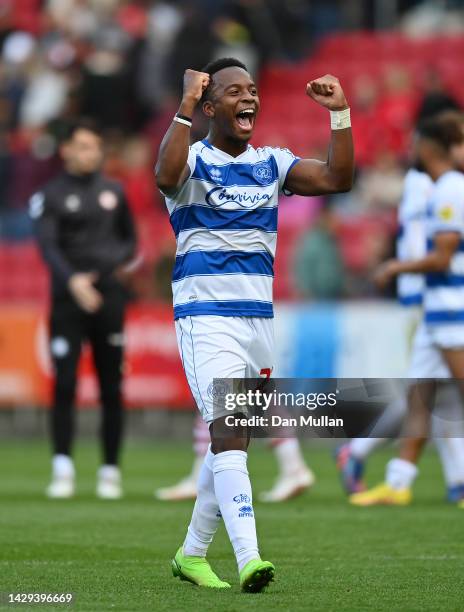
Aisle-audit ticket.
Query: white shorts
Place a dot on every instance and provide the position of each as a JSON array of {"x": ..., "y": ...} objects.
[
  {"x": 223, "y": 347},
  {"x": 427, "y": 360}
]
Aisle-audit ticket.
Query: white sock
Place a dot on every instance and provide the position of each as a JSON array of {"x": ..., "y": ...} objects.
[
  {"x": 401, "y": 474},
  {"x": 109, "y": 472},
  {"x": 289, "y": 456},
  {"x": 451, "y": 451},
  {"x": 456, "y": 449},
  {"x": 63, "y": 466},
  {"x": 361, "y": 448},
  {"x": 205, "y": 516},
  {"x": 448, "y": 435},
  {"x": 233, "y": 492}
]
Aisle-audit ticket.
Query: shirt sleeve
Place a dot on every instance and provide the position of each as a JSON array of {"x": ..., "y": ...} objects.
[
  {"x": 45, "y": 219},
  {"x": 448, "y": 209},
  {"x": 416, "y": 191},
  {"x": 192, "y": 160},
  {"x": 285, "y": 161},
  {"x": 191, "y": 163}
]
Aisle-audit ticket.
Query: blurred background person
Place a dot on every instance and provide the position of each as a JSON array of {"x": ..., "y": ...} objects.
[
  {"x": 86, "y": 235},
  {"x": 319, "y": 265}
]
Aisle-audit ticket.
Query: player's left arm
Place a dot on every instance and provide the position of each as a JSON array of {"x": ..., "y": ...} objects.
[
  {"x": 314, "y": 177},
  {"x": 124, "y": 242}
]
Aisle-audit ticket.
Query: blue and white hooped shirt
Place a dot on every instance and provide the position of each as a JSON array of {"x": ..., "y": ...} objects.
[
  {"x": 444, "y": 295},
  {"x": 225, "y": 221},
  {"x": 412, "y": 237}
]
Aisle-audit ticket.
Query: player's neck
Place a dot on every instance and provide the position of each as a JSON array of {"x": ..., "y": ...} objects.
[
  {"x": 438, "y": 168},
  {"x": 234, "y": 148}
]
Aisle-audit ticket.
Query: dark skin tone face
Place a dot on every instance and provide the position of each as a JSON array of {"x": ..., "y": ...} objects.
[{"x": 232, "y": 92}]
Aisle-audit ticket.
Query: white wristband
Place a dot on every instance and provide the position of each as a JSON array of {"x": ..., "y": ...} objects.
[
  {"x": 183, "y": 121},
  {"x": 340, "y": 120}
]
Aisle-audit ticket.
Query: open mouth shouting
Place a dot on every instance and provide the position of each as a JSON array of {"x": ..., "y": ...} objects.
[{"x": 246, "y": 119}]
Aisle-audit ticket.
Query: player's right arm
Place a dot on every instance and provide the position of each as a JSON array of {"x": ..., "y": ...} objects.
[
  {"x": 446, "y": 244},
  {"x": 46, "y": 225},
  {"x": 171, "y": 168}
]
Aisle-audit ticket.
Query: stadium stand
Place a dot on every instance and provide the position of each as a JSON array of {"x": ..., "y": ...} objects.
[{"x": 385, "y": 76}]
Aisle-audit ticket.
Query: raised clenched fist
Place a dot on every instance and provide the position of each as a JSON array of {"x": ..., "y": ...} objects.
[
  {"x": 327, "y": 92},
  {"x": 195, "y": 84}
]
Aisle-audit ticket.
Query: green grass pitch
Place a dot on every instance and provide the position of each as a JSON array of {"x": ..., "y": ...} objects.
[{"x": 328, "y": 556}]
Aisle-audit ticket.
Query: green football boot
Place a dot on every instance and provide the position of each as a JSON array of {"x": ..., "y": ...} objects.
[
  {"x": 196, "y": 570},
  {"x": 256, "y": 575}
]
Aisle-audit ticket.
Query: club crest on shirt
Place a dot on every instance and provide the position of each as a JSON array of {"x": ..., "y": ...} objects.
[
  {"x": 72, "y": 202},
  {"x": 108, "y": 200},
  {"x": 262, "y": 173}
]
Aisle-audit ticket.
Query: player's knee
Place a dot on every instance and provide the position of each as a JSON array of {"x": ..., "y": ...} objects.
[{"x": 221, "y": 445}]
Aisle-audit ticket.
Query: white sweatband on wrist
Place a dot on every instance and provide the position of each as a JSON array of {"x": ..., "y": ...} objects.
[
  {"x": 340, "y": 120},
  {"x": 183, "y": 121}
]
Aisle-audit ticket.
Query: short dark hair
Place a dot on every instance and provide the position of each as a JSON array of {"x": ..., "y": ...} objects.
[
  {"x": 83, "y": 123},
  {"x": 444, "y": 129},
  {"x": 216, "y": 66}
]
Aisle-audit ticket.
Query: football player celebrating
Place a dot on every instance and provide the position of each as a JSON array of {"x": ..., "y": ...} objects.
[{"x": 222, "y": 197}]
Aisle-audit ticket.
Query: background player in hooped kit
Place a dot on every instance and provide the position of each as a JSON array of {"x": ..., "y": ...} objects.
[
  {"x": 352, "y": 457},
  {"x": 438, "y": 350},
  {"x": 222, "y": 197}
]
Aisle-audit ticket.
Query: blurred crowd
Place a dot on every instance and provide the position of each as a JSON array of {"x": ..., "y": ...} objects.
[{"x": 122, "y": 62}]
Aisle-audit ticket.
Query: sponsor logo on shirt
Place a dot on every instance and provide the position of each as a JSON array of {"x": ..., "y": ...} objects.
[
  {"x": 218, "y": 196},
  {"x": 72, "y": 202}
]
